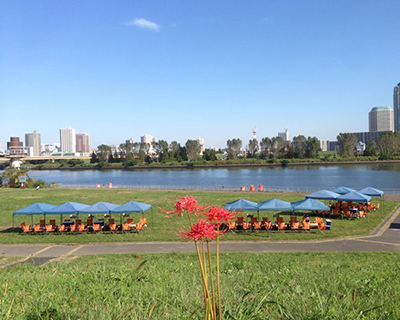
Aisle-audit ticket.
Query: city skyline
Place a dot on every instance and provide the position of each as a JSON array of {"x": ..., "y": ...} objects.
[{"x": 176, "y": 70}]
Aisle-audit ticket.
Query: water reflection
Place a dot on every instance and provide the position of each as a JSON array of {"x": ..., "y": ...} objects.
[{"x": 382, "y": 176}]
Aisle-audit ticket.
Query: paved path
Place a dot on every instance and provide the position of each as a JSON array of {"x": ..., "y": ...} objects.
[{"x": 385, "y": 238}]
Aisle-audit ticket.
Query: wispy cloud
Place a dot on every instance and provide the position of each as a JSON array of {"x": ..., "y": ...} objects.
[{"x": 143, "y": 23}]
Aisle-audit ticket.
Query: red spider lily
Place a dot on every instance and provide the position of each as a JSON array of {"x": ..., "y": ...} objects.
[
  {"x": 218, "y": 215},
  {"x": 184, "y": 204},
  {"x": 202, "y": 230}
]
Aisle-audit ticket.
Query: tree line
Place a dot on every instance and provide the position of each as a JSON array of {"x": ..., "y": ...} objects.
[
  {"x": 276, "y": 147},
  {"x": 161, "y": 151},
  {"x": 386, "y": 146}
]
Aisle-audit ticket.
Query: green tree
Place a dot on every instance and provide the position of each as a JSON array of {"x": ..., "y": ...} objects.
[
  {"x": 347, "y": 142},
  {"x": 371, "y": 149},
  {"x": 103, "y": 153},
  {"x": 193, "y": 149},
  {"x": 389, "y": 144},
  {"x": 182, "y": 154},
  {"x": 233, "y": 148},
  {"x": 266, "y": 147},
  {"x": 174, "y": 149},
  {"x": 278, "y": 147},
  {"x": 11, "y": 175},
  {"x": 252, "y": 148},
  {"x": 93, "y": 158},
  {"x": 312, "y": 147},
  {"x": 145, "y": 147},
  {"x": 299, "y": 146}
]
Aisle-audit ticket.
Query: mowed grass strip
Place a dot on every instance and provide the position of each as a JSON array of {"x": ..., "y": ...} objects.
[
  {"x": 167, "y": 286},
  {"x": 161, "y": 228}
]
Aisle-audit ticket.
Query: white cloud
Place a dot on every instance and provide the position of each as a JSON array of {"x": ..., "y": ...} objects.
[{"x": 143, "y": 23}]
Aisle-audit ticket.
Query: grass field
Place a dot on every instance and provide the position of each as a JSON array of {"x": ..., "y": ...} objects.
[
  {"x": 254, "y": 286},
  {"x": 161, "y": 228}
]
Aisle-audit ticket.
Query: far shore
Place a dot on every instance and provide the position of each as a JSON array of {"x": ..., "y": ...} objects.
[{"x": 217, "y": 166}]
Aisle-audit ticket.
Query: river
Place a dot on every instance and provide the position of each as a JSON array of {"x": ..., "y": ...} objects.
[{"x": 292, "y": 178}]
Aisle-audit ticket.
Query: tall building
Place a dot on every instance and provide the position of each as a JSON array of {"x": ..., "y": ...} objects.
[
  {"x": 202, "y": 146},
  {"x": 82, "y": 143},
  {"x": 381, "y": 119},
  {"x": 147, "y": 138},
  {"x": 33, "y": 144},
  {"x": 396, "y": 107},
  {"x": 68, "y": 140},
  {"x": 284, "y": 135}
]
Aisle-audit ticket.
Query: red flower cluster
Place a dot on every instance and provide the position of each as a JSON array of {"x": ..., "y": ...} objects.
[
  {"x": 219, "y": 215},
  {"x": 202, "y": 230},
  {"x": 184, "y": 204}
]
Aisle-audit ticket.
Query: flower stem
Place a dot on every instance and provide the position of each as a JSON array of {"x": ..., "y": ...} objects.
[
  {"x": 218, "y": 281},
  {"x": 211, "y": 278}
]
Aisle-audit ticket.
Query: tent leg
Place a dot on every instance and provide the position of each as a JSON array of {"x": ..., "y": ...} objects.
[{"x": 13, "y": 224}]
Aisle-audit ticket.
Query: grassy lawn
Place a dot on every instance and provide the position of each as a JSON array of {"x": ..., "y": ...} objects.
[
  {"x": 254, "y": 286},
  {"x": 161, "y": 228}
]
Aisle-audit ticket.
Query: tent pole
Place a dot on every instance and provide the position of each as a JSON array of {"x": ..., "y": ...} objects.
[
  {"x": 32, "y": 219},
  {"x": 13, "y": 224},
  {"x": 258, "y": 215}
]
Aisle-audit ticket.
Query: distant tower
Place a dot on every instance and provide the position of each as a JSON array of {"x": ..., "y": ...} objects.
[
  {"x": 255, "y": 133},
  {"x": 396, "y": 107}
]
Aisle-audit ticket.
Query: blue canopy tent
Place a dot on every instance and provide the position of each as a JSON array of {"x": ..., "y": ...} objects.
[
  {"x": 309, "y": 205},
  {"x": 354, "y": 196},
  {"x": 342, "y": 190},
  {"x": 372, "y": 192},
  {"x": 67, "y": 208},
  {"x": 369, "y": 191},
  {"x": 99, "y": 207},
  {"x": 323, "y": 195},
  {"x": 131, "y": 207},
  {"x": 275, "y": 205},
  {"x": 242, "y": 205},
  {"x": 34, "y": 209}
]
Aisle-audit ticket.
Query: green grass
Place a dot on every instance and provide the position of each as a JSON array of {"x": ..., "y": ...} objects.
[
  {"x": 254, "y": 286},
  {"x": 161, "y": 228}
]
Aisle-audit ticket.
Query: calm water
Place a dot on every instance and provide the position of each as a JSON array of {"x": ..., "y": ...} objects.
[{"x": 301, "y": 178}]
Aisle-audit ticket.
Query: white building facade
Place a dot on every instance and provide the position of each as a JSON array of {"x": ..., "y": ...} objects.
[
  {"x": 381, "y": 119},
  {"x": 68, "y": 140},
  {"x": 33, "y": 144}
]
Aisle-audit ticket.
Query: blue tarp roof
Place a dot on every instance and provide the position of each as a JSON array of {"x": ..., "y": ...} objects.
[
  {"x": 324, "y": 195},
  {"x": 309, "y": 205},
  {"x": 354, "y": 196},
  {"x": 242, "y": 204},
  {"x": 369, "y": 191},
  {"x": 99, "y": 207},
  {"x": 275, "y": 205},
  {"x": 342, "y": 190},
  {"x": 36, "y": 208},
  {"x": 131, "y": 206},
  {"x": 67, "y": 208}
]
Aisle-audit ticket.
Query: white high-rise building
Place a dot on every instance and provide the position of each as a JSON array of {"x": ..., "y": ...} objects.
[
  {"x": 284, "y": 135},
  {"x": 396, "y": 107},
  {"x": 148, "y": 138},
  {"x": 202, "y": 146},
  {"x": 33, "y": 144},
  {"x": 381, "y": 119},
  {"x": 68, "y": 140}
]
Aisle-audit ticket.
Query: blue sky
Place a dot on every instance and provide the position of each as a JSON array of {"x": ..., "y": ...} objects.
[{"x": 181, "y": 70}]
